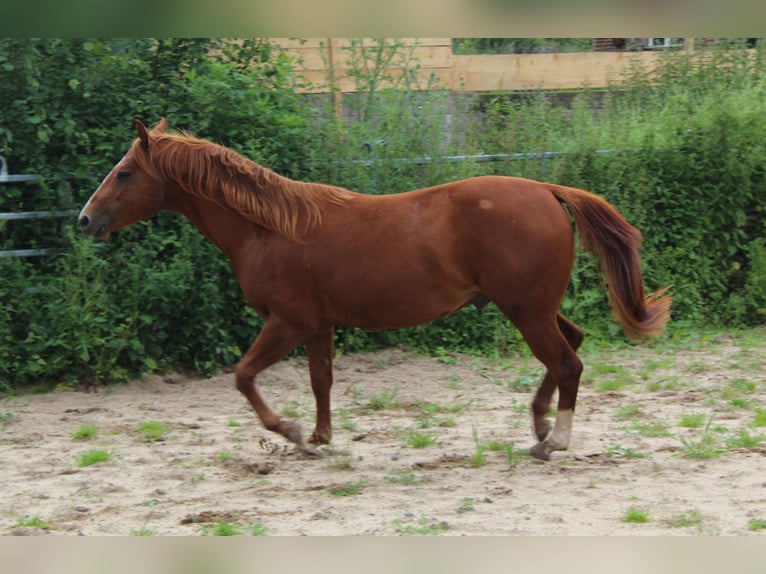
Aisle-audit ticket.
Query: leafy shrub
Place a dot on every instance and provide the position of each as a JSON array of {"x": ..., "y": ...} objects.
[{"x": 686, "y": 167}]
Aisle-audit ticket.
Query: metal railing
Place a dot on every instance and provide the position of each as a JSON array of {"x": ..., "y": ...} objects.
[
  {"x": 5, "y": 177},
  {"x": 372, "y": 162}
]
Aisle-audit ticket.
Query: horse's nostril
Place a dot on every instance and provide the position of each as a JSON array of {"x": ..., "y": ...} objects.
[{"x": 84, "y": 221}]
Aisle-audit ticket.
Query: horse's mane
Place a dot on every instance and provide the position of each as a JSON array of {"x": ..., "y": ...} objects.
[{"x": 221, "y": 175}]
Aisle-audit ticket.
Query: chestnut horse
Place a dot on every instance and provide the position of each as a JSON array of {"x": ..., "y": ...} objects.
[{"x": 310, "y": 256}]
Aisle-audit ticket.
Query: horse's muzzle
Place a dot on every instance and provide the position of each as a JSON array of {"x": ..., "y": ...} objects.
[{"x": 97, "y": 227}]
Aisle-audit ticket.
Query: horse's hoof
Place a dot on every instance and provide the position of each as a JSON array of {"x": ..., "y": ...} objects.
[
  {"x": 309, "y": 450},
  {"x": 541, "y": 451},
  {"x": 542, "y": 429},
  {"x": 292, "y": 432},
  {"x": 319, "y": 438}
]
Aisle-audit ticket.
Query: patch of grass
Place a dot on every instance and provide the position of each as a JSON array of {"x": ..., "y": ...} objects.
[
  {"x": 652, "y": 365},
  {"x": 232, "y": 423},
  {"x": 707, "y": 445},
  {"x": 92, "y": 457},
  {"x": 7, "y": 418},
  {"x": 653, "y": 428},
  {"x": 33, "y": 522},
  {"x": 466, "y": 505},
  {"x": 143, "y": 531},
  {"x": 618, "y": 378},
  {"x": 416, "y": 439},
  {"x": 421, "y": 527},
  {"x": 225, "y": 456},
  {"x": 513, "y": 455},
  {"x": 760, "y": 418},
  {"x": 345, "y": 462},
  {"x": 153, "y": 431},
  {"x": 636, "y": 515},
  {"x": 84, "y": 432},
  {"x": 694, "y": 421},
  {"x": 665, "y": 384},
  {"x": 744, "y": 439},
  {"x": 403, "y": 476},
  {"x": 383, "y": 401},
  {"x": 757, "y": 524},
  {"x": 629, "y": 412},
  {"x": 478, "y": 458},
  {"x": 685, "y": 520},
  {"x": 221, "y": 528},
  {"x": 344, "y": 415},
  {"x": 618, "y": 450},
  {"x": 610, "y": 385},
  {"x": 348, "y": 488},
  {"x": 291, "y": 410},
  {"x": 258, "y": 529}
]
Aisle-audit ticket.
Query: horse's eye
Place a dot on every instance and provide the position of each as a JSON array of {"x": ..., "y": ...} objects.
[{"x": 123, "y": 175}]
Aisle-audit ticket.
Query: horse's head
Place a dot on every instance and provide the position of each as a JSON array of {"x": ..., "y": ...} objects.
[{"x": 129, "y": 193}]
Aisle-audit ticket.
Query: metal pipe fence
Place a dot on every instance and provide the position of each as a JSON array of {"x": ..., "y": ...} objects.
[{"x": 370, "y": 163}]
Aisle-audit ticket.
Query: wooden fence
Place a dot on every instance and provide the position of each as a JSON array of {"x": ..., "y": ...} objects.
[{"x": 327, "y": 63}]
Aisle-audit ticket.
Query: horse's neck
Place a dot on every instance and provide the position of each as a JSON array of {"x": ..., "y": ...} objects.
[{"x": 224, "y": 227}]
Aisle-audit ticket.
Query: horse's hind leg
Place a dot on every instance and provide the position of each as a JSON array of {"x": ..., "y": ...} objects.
[
  {"x": 541, "y": 404},
  {"x": 319, "y": 351},
  {"x": 551, "y": 346},
  {"x": 572, "y": 332}
]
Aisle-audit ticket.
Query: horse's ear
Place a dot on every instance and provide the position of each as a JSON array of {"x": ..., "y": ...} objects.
[
  {"x": 161, "y": 127},
  {"x": 143, "y": 134}
]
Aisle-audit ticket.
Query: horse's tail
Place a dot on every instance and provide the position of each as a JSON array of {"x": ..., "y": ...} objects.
[{"x": 605, "y": 233}]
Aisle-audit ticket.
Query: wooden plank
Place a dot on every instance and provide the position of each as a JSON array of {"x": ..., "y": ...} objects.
[
  {"x": 316, "y": 59},
  {"x": 544, "y": 71},
  {"x": 557, "y": 71}
]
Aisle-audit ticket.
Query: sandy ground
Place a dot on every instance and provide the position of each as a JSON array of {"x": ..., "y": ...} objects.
[{"x": 211, "y": 466}]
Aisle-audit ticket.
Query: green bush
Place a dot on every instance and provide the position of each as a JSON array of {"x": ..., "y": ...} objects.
[{"x": 686, "y": 167}]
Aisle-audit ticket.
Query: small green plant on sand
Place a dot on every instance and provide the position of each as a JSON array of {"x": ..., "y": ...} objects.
[
  {"x": 84, "y": 432},
  {"x": 92, "y": 457},
  {"x": 153, "y": 431},
  {"x": 636, "y": 515}
]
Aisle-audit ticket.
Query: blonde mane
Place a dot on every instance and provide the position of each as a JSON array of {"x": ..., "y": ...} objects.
[{"x": 221, "y": 175}]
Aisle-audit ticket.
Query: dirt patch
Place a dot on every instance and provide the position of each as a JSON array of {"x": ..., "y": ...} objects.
[{"x": 421, "y": 446}]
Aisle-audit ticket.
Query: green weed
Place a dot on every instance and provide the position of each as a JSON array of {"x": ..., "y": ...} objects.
[
  {"x": 258, "y": 529},
  {"x": 422, "y": 527},
  {"x": 636, "y": 515},
  {"x": 466, "y": 505},
  {"x": 345, "y": 462},
  {"x": 384, "y": 401},
  {"x": 416, "y": 439},
  {"x": 706, "y": 445},
  {"x": 757, "y": 524},
  {"x": 348, "y": 488},
  {"x": 629, "y": 412},
  {"x": 743, "y": 439},
  {"x": 685, "y": 520},
  {"x": 92, "y": 457},
  {"x": 652, "y": 428},
  {"x": 478, "y": 458},
  {"x": 403, "y": 476},
  {"x": 694, "y": 421},
  {"x": 221, "y": 528},
  {"x": 84, "y": 432},
  {"x": 153, "y": 431},
  {"x": 33, "y": 522},
  {"x": 760, "y": 418},
  {"x": 291, "y": 410}
]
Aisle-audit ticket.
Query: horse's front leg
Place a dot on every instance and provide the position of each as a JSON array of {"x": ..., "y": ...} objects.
[
  {"x": 276, "y": 339},
  {"x": 319, "y": 349}
]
